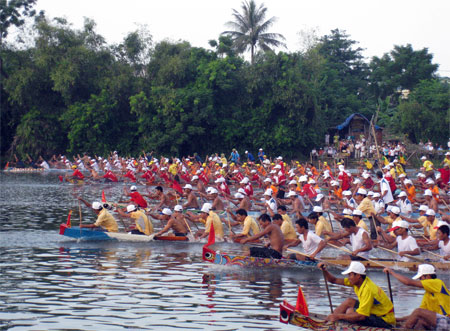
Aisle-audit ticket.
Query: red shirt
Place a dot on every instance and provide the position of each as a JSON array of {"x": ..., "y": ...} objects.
[
  {"x": 345, "y": 180},
  {"x": 445, "y": 175},
  {"x": 77, "y": 173},
  {"x": 309, "y": 190},
  {"x": 110, "y": 175},
  {"x": 137, "y": 198},
  {"x": 130, "y": 175},
  {"x": 149, "y": 176}
]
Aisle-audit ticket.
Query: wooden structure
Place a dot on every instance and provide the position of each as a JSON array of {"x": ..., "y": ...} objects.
[{"x": 356, "y": 126}]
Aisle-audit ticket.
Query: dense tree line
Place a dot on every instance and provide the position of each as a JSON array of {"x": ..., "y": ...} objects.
[{"x": 70, "y": 92}]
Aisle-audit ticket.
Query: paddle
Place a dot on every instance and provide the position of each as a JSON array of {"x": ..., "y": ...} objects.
[
  {"x": 406, "y": 255},
  {"x": 79, "y": 210},
  {"x": 328, "y": 291}
]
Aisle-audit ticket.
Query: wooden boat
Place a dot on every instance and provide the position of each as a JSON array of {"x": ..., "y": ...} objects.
[
  {"x": 289, "y": 315},
  {"x": 216, "y": 257},
  {"x": 96, "y": 235},
  {"x": 23, "y": 170}
]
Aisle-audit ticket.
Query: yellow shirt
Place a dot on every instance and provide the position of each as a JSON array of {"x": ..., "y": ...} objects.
[
  {"x": 250, "y": 224},
  {"x": 373, "y": 301},
  {"x": 436, "y": 297},
  {"x": 428, "y": 165},
  {"x": 288, "y": 230},
  {"x": 366, "y": 206},
  {"x": 426, "y": 226},
  {"x": 362, "y": 224},
  {"x": 432, "y": 230},
  {"x": 142, "y": 222},
  {"x": 224, "y": 161},
  {"x": 287, "y": 218},
  {"x": 173, "y": 169},
  {"x": 213, "y": 218},
  {"x": 447, "y": 161},
  {"x": 106, "y": 221},
  {"x": 392, "y": 172},
  {"x": 322, "y": 225}
]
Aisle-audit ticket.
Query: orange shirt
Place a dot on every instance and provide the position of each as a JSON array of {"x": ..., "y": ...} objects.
[
  {"x": 338, "y": 193},
  {"x": 411, "y": 193},
  {"x": 435, "y": 192}
]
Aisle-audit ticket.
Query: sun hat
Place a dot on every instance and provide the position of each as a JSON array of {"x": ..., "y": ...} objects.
[
  {"x": 268, "y": 192},
  {"x": 133, "y": 188},
  {"x": 356, "y": 267},
  {"x": 242, "y": 191},
  {"x": 424, "y": 269},
  {"x": 402, "y": 194},
  {"x": 239, "y": 195},
  {"x": 178, "y": 208},
  {"x": 293, "y": 182},
  {"x": 188, "y": 187},
  {"x": 395, "y": 210},
  {"x": 348, "y": 193},
  {"x": 219, "y": 180},
  {"x": 361, "y": 191},
  {"x": 317, "y": 209},
  {"x": 357, "y": 212},
  {"x": 131, "y": 208},
  {"x": 399, "y": 224},
  {"x": 206, "y": 207},
  {"x": 167, "y": 211},
  {"x": 430, "y": 212},
  {"x": 428, "y": 193},
  {"x": 423, "y": 208},
  {"x": 96, "y": 205},
  {"x": 319, "y": 197},
  {"x": 291, "y": 194},
  {"x": 347, "y": 212},
  {"x": 376, "y": 195}
]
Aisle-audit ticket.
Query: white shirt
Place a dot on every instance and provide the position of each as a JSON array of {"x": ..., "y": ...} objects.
[
  {"x": 444, "y": 250},
  {"x": 405, "y": 207},
  {"x": 45, "y": 165},
  {"x": 357, "y": 242},
  {"x": 408, "y": 244},
  {"x": 378, "y": 205},
  {"x": 272, "y": 204},
  {"x": 311, "y": 243},
  {"x": 384, "y": 186}
]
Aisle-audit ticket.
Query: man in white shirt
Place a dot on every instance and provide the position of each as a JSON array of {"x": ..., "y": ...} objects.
[
  {"x": 404, "y": 204},
  {"x": 312, "y": 243},
  {"x": 385, "y": 189},
  {"x": 406, "y": 245}
]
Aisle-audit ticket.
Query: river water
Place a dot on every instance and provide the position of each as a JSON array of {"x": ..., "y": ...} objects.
[{"x": 49, "y": 282}]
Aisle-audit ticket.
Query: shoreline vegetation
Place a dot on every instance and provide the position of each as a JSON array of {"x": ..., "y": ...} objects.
[{"x": 66, "y": 91}]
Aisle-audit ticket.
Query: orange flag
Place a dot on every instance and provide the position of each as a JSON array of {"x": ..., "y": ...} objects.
[
  {"x": 212, "y": 236},
  {"x": 103, "y": 197},
  {"x": 301, "y": 306}
]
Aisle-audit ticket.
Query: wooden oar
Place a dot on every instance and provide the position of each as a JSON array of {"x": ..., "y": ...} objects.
[
  {"x": 79, "y": 210},
  {"x": 437, "y": 255},
  {"x": 406, "y": 255},
  {"x": 328, "y": 291}
]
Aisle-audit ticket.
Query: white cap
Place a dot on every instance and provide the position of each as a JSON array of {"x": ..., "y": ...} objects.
[
  {"x": 303, "y": 179},
  {"x": 447, "y": 154},
  {"x": 291, "y": 194},
  {"x": 272, "y": 171},
  {"x": 277, "y": 166},
  {"x": 341, "y": 167},
  {"x": 96, "y": 205},
  {"x": 268, "y": 180},
  {"x": 357, "y": 212},
  {"x": 246, "y": 152},
  {"x": 311, "y": 181},
  {"x": 206, "y": 207},
  {"x": 370, "y": 194},
  {"x": 347, "y": 212},
  {"x": 441, "y": 223},
  {"x": 334, "y": 183},
  {"x": 365, "y": 176},
  {"x": 423, "y": 208},
  {"x": 399, "y": 224},
  {"x": 244, "y": 181},
  {"x": 424, "y": 269},
  {"x": 268, "y": 192},
  {"x": 133, "y": 188},
  {"x": 356, "y": 267},
  {"x": 239, "y": 195},
  {"x": 429, "y": 181},
  {"x": 194, "y": 177},
  {"x": 319, "y": 197},
  {"x": 395, "y": 210},
  {"x": 408, "y": 181},
  {"x": 242, "y": 191},
  {"x": 213, "y": 191},
  {"x": 401, "y": 176},
  {"x": 293, "y": 182},
  {"x": 361, "y": 191},
  {"x": 428, "y": 193},
  {"x": 253, "y": 171},
  {"x": 178, "y": 208},
  {"x": 402, "y": 194},
  {"x": 219, "y": 180},
  {"x": 376, "y": 195},
  {"x": 188, "y": 186},
  {"x": 357, "y": 181},
  {"x": 317, "y": 209},
  {"x": 131, "y": 208},
  {"x": 235, "y": 171},
  {"x": 420, "y": 175},
  {"x": 423, "y": 158},
  {"x": 167, "y": 211},
  {"x": 430, "y": 212},
  {"x": 347, "y": 193}
]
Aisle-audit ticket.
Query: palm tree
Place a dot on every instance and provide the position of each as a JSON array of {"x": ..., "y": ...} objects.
[{"x": 249, "y": 29}]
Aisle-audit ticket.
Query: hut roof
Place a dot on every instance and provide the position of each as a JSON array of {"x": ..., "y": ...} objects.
[{"x": 347, "y": 121}]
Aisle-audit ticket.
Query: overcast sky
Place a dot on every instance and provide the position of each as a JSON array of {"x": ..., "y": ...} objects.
[{"x": 376, "y": 25}]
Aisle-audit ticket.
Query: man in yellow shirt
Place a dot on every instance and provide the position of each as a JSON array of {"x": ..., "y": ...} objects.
[
  {"x": 104, "y": 219},
  {"x": 250, "y": 227},
  {"x": 320, "y": 223},
  {"x": 373, "y": 307},
  {"x": 428, "y": 165},
  {"x": 286, "y": 227},
  {"x": 434, "y": 310},
  {"x": 141, "y": 221},
  {"x": 208, "y": 217}
]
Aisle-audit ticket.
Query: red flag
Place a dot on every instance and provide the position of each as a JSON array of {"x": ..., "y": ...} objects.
[
  {"x": 176, "y": 186},
  {"x": 212, "y": 236},
  {"x": 63, "y": 227},
  {"x": 103, "y": 196},
  {"x": 301, "y": 306},
  {"x": 60, "y": 178}
]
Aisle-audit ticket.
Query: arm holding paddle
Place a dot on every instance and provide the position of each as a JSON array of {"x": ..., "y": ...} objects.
[{"x": 403, "y": 279}]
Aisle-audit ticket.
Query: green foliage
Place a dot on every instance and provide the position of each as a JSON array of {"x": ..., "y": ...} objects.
[
  {"x": 426, "y": 115},
  {"x": 13, "y": 12}
]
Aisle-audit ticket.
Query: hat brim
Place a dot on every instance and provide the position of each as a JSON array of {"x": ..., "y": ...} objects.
[{"x": 394, "y": 228}]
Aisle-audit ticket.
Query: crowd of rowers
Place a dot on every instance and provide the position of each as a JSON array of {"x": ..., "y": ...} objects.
[{"x": 283, "y": 191}]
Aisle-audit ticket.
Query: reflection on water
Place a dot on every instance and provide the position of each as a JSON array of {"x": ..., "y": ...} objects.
[{"x": 51, "y": 283}]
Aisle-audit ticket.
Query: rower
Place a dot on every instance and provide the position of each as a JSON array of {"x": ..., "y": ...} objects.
[
  {"x": 312, "y": 243},
  {"x": 275, "y": 237},
  {"x": 135, "y": 197},
  {"x": 404, "y": 204},
  {"x": 164, "y": 200},
  {"x": 250, "y": 227},
  {"x": 77, "y": 174},
  {"x": 443, "y": 242},
  {"x": 175, "y": 223},
  {"x": 359, "y": 239},
  {"x": 373, "y": 307},
  {"x": 434, "y": 310},
  {"x": 241, "y": 200},
  {"x": 192, "y": 201},
  {"x": 406, "y": 244},
  {"x": 286, "y": 227},
  {"x": 208, "y": 217},
  {"x": 357, "y": 217},
  {"x": 320, "y": 223},
  {"x": 143, "y": 226},
  {"x": 104, "y": 219}
]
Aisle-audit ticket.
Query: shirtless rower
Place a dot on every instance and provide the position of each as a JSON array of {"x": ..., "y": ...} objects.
[
  {"x": 175, "y": 223},
  {"x": 164, "y": 200},
  {"x": 217, "y": 203},
  {"x": 276, "y": 239},
  {"x": 243, "y": 201},
  {"x": 192, "y": 201}
]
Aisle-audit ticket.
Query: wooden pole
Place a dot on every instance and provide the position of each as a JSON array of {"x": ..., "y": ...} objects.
[{"x": 328, "y": 291}]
